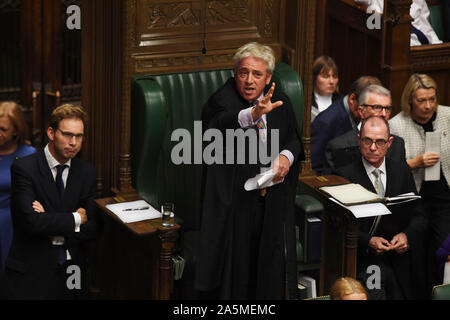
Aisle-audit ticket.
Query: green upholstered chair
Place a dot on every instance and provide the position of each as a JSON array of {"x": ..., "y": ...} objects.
[
  {"x": 436, "y": 20},
  {"x": 161, "y": 103},
  {"x": 441, "y": 292}
]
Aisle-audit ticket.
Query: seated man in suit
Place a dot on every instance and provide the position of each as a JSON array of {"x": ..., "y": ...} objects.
[
  {"x": 336, "y": 120},
  {"x": 375, "y": 100},
  {"x": 392, "y": 243},
  {"x": 52, "y": 208}
]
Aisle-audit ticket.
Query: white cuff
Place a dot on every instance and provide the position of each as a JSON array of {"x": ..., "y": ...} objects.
[
  {"x": 77, "y": 219},
  {"x": 288, "y": 155},
  {"x": 245, "y": 118}
]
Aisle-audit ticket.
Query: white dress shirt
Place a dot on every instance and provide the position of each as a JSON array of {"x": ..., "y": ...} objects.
[
  {"x": 245, "y": 120},
  {"x": 370, "y": 168}
]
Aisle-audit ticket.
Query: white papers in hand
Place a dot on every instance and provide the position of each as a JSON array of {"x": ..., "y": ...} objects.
[
  {"x": 134, "y": 211},
  {"x": 433, "y": 144},
  {"x": 366, "y": 210},
  {"x": 261, "y": 181}
]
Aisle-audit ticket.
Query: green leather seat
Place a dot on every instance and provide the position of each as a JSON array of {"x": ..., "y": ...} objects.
[
  {"x": 436, "y": 20},
  {"x": 161, "y": 103},
  {"x": 441, "y": 292}
]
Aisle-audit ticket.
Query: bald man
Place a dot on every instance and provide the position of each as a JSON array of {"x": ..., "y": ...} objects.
[{"x": 393, "y": 242}]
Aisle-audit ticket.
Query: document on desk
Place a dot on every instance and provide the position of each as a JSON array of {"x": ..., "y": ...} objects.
[
  {"x": 433, "y": 144},
  {"x": 366, "y": 210},
  {"x": 134, "y": 211},
  {"x": 351, "y": 194}
]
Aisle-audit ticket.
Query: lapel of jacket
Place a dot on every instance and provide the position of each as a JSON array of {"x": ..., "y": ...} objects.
[
  {"x": 362, "y": 176},
  {"x": 48, "y": 182},
  {"x": 391, "y": 181}
]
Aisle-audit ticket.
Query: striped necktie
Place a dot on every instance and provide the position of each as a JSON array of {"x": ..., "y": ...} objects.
[
  {"x": 378, "y": 183},
  {"x": 380, "y": 191}
]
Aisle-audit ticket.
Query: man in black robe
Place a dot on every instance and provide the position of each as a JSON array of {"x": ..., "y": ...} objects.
[{"x": 246, "y": 247}]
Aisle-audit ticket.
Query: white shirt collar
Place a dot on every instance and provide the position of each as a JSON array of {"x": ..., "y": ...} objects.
[
  {"x": 369, "y": 168},
  {"x": 52, "y": 162}
]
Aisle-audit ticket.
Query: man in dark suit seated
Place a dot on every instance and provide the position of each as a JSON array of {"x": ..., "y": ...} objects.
[
  {"x": 336, "y": 120},
  {"x": 52, "y": 208},
  {"x": 375, "y": 100},
  {"x": 391, "y": 244}
]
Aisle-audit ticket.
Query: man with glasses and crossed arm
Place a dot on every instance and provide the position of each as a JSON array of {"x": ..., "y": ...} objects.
[
  {"x": 53, "y": 214},
  {"x": 374, "y": 100},
  {"x": 393, "y": 243}
]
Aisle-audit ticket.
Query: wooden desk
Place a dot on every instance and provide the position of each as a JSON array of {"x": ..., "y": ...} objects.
[
  {"x": 339, "y": 233},
  {"x": 138, "y": 241}
]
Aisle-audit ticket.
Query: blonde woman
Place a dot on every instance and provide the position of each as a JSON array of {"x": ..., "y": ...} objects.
[
  {"x": 421, "y": 113},
  {"x": 12, "y": 145},
  {"x": 348, "y": 289}
]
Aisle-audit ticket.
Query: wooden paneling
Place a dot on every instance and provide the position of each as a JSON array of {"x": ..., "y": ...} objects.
[
  {"x": 171, "y": 35},
  {"x": 434, "y": 60},
  {"x": 121, "y": 38},
  {"x": 102, "y": 46},
  {"x": 10, "y": 57},
  {"x": 355, "y": 48}
]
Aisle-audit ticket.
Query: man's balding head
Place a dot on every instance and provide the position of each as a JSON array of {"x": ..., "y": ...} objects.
[{"x": 374, "y": 140}]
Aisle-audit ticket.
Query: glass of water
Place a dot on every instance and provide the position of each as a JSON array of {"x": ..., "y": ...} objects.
[{"x": 167, "y": 210}]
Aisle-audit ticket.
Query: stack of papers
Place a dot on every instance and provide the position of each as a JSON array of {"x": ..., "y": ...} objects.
[
  {"x": 366, "y": 210},
  {"x": 351, "y": 194},
  {"x": 261, "y": 181},
  {"x": 134, "y": 211}
]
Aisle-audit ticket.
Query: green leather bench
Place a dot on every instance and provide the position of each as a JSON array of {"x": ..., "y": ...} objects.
[
  {"x": 436, "y": 20},
  {"x": 441, "y": 292},
  {"x": 161, "y": 103}
]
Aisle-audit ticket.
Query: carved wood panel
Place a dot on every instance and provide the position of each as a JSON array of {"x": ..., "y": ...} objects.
[{"x": 186, "y": 35}]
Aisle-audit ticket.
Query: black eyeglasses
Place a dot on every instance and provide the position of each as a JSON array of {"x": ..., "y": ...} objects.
[
  {"x": 70, "y": 135},
  {"x": 377, "y": 107},
  {"x": 380, "y": 143}
]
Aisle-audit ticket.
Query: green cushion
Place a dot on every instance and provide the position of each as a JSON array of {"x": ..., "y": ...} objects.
[
  {"x": 308, "y": 204},
  {"x": 436, "y": 20},
  {"x": 441, "y": 292},
  {"x": 161, "y": 103}
]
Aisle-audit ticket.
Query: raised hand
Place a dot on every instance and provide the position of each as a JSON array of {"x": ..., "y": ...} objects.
[{"x": 265, "y": 104}]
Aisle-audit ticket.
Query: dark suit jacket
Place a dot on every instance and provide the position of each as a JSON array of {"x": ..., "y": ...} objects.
[
  {"x": 408, "y": 217},
  {"x": 344, "y": 149},
  {"x": 331, "y": 123},
  {"x": 32, "y": 259}
]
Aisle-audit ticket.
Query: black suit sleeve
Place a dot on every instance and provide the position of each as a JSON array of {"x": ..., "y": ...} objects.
[
  {"x": 39, "y": 224},
  {"x": 418, "y": 220},
  {"x": 293, "y": 143},
  {"x": 320, "y": 135},
  {"x": 89, "y": 230}
]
